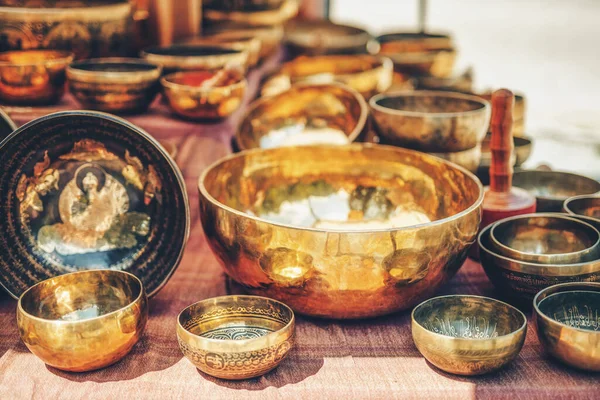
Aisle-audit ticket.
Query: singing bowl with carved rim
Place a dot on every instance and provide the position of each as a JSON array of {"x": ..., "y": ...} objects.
[
  {"x": 33, "y": 77},
  {"x": 521, "y": 280},
  {"x": 468, "y": 335},
  {"x": 521, "y": 150},
  {"x": 185, "y": 57},
  {"x": 322, "y": 37},
  {"x": 270, "y": 37},
  {"x": 435, "y": 122},
  {"x": 549, "y": 238},
  {"x": 340, "y": 231},
  {"x": 586, "y": 206},
  {"x": 567, "y": 318},
  {"x": 272, "y": 16},
  {"x": 326, "y": 113},
  {"x": 236, "y": 337},
  {"x": 552, "y": 188},
  {"x": 248, "y": 43},
  {"x": 83, "y": 321},
  {"x": 366, "y": 74}
]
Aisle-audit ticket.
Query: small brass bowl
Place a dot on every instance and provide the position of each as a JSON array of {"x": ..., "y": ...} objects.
[
  {"x": 307, "y": 114},
  {"x": 469, "y": 159},
  {"x": 522, "y": 150},
  {"x": 196, "y": 57},
  {"x": 248, "y": 43},
  {"x": 586, "y": 205},
  {"x": 117, "y": 85},
  {"x": 33, "y": 77},
  {"x": 189, "y": 99},
  {"x": 321, "y": 37},
  {"x": 236, "y": 337},
  {"x": 434, "y": 122},
  {"x": 568, "y": 323},
  {"x": 521, "y": 280},
  {"x": 468, "y": 335},
  {"x": 366, "y": 74},
  {"x": 545, "y": 239},
  {"x": 271, "y": 16},
  {"x": 270, "y": 37},
  {"x": 552, "y": 188},
  {"x": 83, "y": 321}
]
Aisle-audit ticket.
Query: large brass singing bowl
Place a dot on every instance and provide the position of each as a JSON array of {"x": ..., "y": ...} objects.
[
  {"x": 436, "y": 122},
  {"x": 586, "y": 205},
  {"x": 84, "y": 320},
  {"x": 468, "y": 335},
  {"x": 340, "y": 231},
  {"x": 305, "y": 114},
  {"x": 568, "y": 323},
  {"x": 236, "y": 337}
]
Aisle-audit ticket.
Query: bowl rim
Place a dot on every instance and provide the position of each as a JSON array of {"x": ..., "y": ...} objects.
[
  {"x": 414, "y": 35},
  {"x": 353, "y": 146},
  {"x": 64, "y": 57},
  {"x": 569, "y": 200},
  {"x": 242, "y": 342},
  {"x": 230, "y": 51},
  {"x": 558, "y": 288},
  {"x": 75, "y": 72},
  {"x": 376, "y": 62},
  {"x": 553, "y": 197},
  {"x": 102, "y": 9},
  {"x": 484, "y": 105},
  {"x": 166, "y": 82},
  {"x": 484, "y": 298},
  {"x": 519, "y": 253},
  {"x": 141, "y": 293}
]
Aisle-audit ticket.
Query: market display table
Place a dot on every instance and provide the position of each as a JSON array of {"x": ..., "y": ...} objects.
[{"x": 373, "y": 358}]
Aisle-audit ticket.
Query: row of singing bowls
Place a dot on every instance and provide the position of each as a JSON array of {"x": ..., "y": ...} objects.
[{"x": 340, "y": 231}]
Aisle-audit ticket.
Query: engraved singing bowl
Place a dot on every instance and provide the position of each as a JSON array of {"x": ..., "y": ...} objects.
[
  {"x": 185, "y": 57},
  {"x": 236, "y": 337},
  {"x": 322, "y": 37},
  {"x": 545, "y": 239},
  {"x": 305, "y": 114},
  {"x": 278, "y": 15},
  {"x": 83, "y": 321},
  {"x": 33, "y": 77},
  {"x": 568, "y": 323},
  {"x": 117, "y": 85},
  {"x": 247, "y": 42},
  {"x": 521, "y": 280},
  {"x": 522, "y": 147},
  {"x": 552, "y": 188},
  {"x": 468, "y": 335},
  {"x": 436, "y": 122},
  {"x": 270, "y": 37},
  {"x": 340, "y": 231},
  {"x": 587, "y": 206},
  {"x": 366, "y": 74}
]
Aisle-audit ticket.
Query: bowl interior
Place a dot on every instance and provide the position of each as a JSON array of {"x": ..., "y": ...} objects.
[
  {"x": 586, "y": 206},
  {"x": 576, "y": 308},
  {"x": 348, "y": 188},
  {"x": 438, "y": 103},
  {"x": 191, "y": 51},
  {"x": 81, "y": 296},
  {"x": 113, "y": 66},
  {"x": 468, "y": 317},
  {"x": 553, "y": 184}
]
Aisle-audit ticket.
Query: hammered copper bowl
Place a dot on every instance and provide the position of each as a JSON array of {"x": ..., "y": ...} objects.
[
  {"x": 83, "y": 321},
  {"x": 236, "y": 337},
  {"x": 552, "y": 188},
  {"x": 33, "y": 77},
  {"x": 322, "y": 37},
  {"x": 117, "y": 85},
  {"x": 244, "y": 42},
  {"x": 435, "y": 122},
  {"x": 586, "y": 205},
  {"x": 366, "y": 74},
  {"x": 545, "y": 239},
  {"x": 270, "y": 37},
  {"x": 568, "y": 323},
  {"x": 468, "y": 335},
  {"x": 521, "y": 280},
  {"x": 340, "y": 231},
  {"x": 306, "y": 114},
  {"x": 195, "y": 57}
]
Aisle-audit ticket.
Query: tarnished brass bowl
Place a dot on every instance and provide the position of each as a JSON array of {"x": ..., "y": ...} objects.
[
  {"x": 469, "y": 159},
  {"x": 340, "y": 231},
  {"x": 304, "y": 115},
  {"x": 276, "y": 15},
  {"x": 586, "y": 205},
  {"x": 84, "y": 320},
  {"x": 270, "y": 37},
  {"x": 190, "y": 99},
  {"x": 236, "y": 337},
  {"x": 248, "y": 43},
  {"x": 468, "y": 335},
  {"x": 523, "y": 280},
  {"x": 545, "y": 239},
  {"x": 322, "y": 37},
  {"x": 117, "y": 85},
  {"x": 568, "y": 323},
  {"x": 435, "y": 122},
  {"x": 552, "y": 188},
  {"x": 366, "y": 74},
  {"x": 195, "y": 57},
  {"x": 33, "y": 77}
]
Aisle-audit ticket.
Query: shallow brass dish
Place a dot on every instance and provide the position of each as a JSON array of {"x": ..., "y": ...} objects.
[
  {"x": 236, "y": 337},
  {"x": 323, "y": 37},
  {"x": 117, "y": 85},
  {"x": 366, "y": 74},
  {"x": 304, "y": 115},
  {"x": 552, "y": 188},
  {"x": 568, "y": 323},
  {"x": 248, "y": 43},
  {"x": 522, "y": 150},
  {"x": 468, "y": 335},
  {"x": 270, "y": 37},
  {"x": 83, "y": 321},
  {"x": 271, "y": 16},
  {"x": 545, "y": 239},
  {"x": 436, "y": 122},
  {"x": 6, "y": 125},
  {"x": 340, "y": 231},
  {"x": 586, "y": 205},
  {"x": 33, "y": 77},
  {"x": 469, "y": 159},
  {"x": 523, "y": 280},
  {"x": 189, "y": 99},
  {"x": 196, "y": 57}
]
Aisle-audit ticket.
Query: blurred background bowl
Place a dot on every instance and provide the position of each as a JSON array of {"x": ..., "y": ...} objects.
[
  {"x": 270, "y": 37},
  {"x": 245, "y": 42},
  {"x": 195, "y": 57},
  {"x": 249, "y": 14},
  {"x": 586, "y": 205},
  {"x": 321, "y": 37}
]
